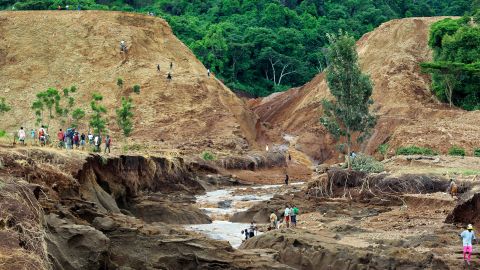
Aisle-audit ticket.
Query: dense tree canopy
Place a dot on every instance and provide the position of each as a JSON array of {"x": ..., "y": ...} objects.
[
  {"x": 263, "y": 46},
  {"x": 456, "y": 66}
]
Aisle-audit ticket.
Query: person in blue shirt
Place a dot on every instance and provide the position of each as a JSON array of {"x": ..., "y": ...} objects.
[{"x": 467, "y": 238}]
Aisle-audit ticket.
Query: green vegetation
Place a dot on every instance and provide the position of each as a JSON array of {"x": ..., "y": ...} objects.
[
  {"x": 46, "y": 100},
  {"x": 476, "y": 152},
  {"x": 133, "y": 147},
  {"x": 77, "y": 115},
  {"x": 136, "y": 89},
  {"x": 264, "y": 46},
  {"x": 97, "y": 121},
  {"x": 124, "y": 116},
  {"x": 366, "y": 163},
  {"x": 4, "y": 107},
  {"x": 415, "y": 150},
  {"x": 3, "y": 133},
  {"x": 206, "y": 155},
  {"x": 120, "y": 82},
  {"x": 383, "y": 149},
  {"x": 456, "y": 151},
  {"x": 348, "y": 114},
  {"x": 455, "y": 68}
]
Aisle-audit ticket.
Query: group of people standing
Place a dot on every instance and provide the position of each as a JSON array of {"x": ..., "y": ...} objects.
[
  {"x": 68, "y": 139},
  {"x": 289, "y": 218}
]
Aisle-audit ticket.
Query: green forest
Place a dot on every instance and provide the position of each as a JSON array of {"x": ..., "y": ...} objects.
[
  {"x": 455, "y": 67},
  {"x": 263, "y": 46}
]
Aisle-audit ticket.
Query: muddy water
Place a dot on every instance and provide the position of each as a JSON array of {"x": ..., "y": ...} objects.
[{"x": 221, "y": 204}]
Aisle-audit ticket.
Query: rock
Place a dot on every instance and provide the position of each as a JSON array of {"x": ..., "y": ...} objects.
[
  {"x": 73, "y": 246},
  {"x": 225, "y": 204},
  {"x": 104, "y": 224}
]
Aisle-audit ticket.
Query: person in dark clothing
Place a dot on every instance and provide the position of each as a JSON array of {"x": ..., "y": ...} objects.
[
  {"x": 286, "y": 179},
  {"x": 171, "y": 65},
  {"x": 169, "y": 76},
  {"x": 108, "y": 141},
  {"x": 158, "y": 67}
]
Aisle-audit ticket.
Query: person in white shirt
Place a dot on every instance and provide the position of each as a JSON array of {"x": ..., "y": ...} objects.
[
  {"x": 287, "y": 213},
  {"x": 21, "y": 135}
]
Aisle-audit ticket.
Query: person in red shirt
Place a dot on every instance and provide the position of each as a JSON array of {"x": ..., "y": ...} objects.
[{"x": 61, "y": 139}]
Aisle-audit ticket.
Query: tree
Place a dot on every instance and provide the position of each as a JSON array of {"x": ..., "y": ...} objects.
[
  {"x": 4, "y": 107},
  {"x": 124, "y": 116},
  {"x": 46, "y": 100},
  {"x": 348, "y": 114},
  {"x": 97, "y": 121},
  {"x": 77, "y": 115},
  {"x": 136, "y": 89}
]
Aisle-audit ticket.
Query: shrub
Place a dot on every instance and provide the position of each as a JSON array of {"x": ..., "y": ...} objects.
[
  {"x": 120, "y": 82},
  {"x": 3, "y": 133},
  {"x": 383, "y": 149},
  {"x": 208, "y": 156},
  {"x": 364, "y": 163},
  {"x": 415, "y": 150},
  {"x": 456, "y": 151},
  {"x": 476, "y": 152},
  {"x": 136, "y": 88}
]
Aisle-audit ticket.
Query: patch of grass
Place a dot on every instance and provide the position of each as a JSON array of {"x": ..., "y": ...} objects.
[
  {"x": 3, "y": 133},
  {"x": 383, "y": 148},
  {"x": 476, "y": 152},
  {"x": 133, "y": 147},
  {"x": 416, "y": 150},
  {"x": 206, "y": 155},
  {"x": 456, "y": 151}
]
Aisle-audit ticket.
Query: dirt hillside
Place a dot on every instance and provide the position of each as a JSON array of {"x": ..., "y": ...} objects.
[
  {"x": 41, "y": 49},
  {"x": 408, "y": 113}
]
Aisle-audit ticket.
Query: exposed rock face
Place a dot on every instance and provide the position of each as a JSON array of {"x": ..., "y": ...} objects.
[
  {"x": 74, "y": 246},
  {"x": 467, "y": 209},
  {"x": 303, "y": 250}
]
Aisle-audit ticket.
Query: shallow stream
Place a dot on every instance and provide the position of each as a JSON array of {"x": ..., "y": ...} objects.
[{"x": 221, "y": 204}]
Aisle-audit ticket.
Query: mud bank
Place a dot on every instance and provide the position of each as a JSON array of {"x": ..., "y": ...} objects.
[{"x": 72, "y": 213}]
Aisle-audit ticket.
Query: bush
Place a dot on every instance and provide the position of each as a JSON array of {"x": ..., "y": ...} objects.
[
  {"x": 383, "y": 149},
  {"x": 3, "y": 133},
  {"x": 208, "y": 156},
  {"x": 120, "y": 82},
  {"x": 415, "y": 150},
  {"x": 136, "y": 88},
  {"x": 456, "y": 151},
  {"x": 364, "y": 163},
  {"x": 476, "y": 152}
]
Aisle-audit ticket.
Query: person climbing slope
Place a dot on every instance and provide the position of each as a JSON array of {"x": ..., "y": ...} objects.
[
  {"x": 123, "y": 46},
  {"x": 452, "y": 188},
  {"x": 467, "y": 237}
]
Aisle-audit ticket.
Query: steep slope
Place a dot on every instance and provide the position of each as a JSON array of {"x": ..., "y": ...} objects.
[
  {"x": 408, "y": 113},
  {"x": 41, "y": 49}
]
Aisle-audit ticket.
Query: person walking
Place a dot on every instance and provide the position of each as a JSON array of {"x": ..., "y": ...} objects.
[
  {"x": 82, "y": 141},
  {"x": 158, "y": 67},
  {"x": 76, "y": 140},
  {"x": 32, "y": 135},
  {"x": 286, "y": 215},
  {"x": 208, "y": 72},
  {"x": 273, "y": 221},
  {"x": 169, "y": 76},
  {"x": 286, "y": 179},
  {"x": 42, "y": 136},
  {"x": 171, "y": 65},
  {"x": 108, "y": 141},
  {"x": 61, "y": 139},
  {"x": 452, "y": 188},
  {"x": 21, "y": 135},
  {"x": 294, "y": 216},
  {"x": 467, "y": 237},
  {"x": 90, "y": 138}
]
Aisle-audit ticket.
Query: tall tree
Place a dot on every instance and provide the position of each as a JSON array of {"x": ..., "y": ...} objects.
[
  {"x": 47, "y": 99},
  {"x": 97, "y": 120},
  {"x": 124, "y": 116},
  {"x": 348, "y": 114}
]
